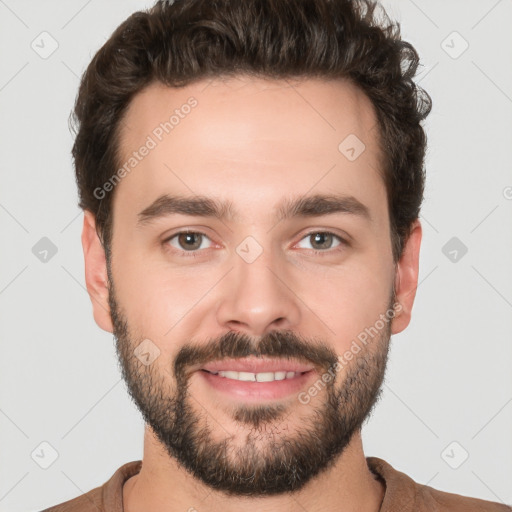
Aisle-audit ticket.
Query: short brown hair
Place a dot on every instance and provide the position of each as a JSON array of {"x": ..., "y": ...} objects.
[{"x": 181, "y": 42}]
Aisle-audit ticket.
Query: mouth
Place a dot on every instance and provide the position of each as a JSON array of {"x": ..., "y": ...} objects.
[
  {"x": 256, "y": 377},
  {"x": 254, "y": 380}
]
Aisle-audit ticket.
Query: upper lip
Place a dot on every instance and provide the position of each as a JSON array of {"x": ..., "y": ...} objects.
[{"x": 258, "y": 365}]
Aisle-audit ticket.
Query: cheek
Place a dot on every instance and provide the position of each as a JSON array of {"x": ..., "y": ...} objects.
[
  {"x": 349, "y": 300},
  {"x": 163, "y": 301},
  {"x": 158, "y": 300}
]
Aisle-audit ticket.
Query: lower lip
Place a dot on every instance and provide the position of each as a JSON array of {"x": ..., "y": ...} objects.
[{"x": 255, "y": 391}]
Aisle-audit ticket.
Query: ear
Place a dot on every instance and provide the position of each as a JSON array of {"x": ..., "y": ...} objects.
[
  {"x": 96, "y": 272},
  {"x": 406, "y": 279}
]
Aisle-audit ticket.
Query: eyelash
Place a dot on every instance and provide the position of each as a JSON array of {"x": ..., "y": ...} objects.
[{"x": 197, "y": 253}]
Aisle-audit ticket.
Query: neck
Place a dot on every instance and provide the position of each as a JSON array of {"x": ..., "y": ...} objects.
[{"x": 162, "y": 485}]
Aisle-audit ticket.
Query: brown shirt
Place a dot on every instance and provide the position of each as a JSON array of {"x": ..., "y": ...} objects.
[{"x": 402, "y": 494}]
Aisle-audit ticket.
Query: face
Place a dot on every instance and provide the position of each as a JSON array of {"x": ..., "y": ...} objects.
[{"x": 252, "y": 290}]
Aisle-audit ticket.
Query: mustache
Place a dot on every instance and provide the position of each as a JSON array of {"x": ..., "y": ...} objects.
[{"x": 283, "y": 344}]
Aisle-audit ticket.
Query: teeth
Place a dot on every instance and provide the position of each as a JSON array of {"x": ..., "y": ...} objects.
[{"x": 257, "y": 377}]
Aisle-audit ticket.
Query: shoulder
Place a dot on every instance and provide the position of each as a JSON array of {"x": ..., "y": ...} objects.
[
  {"x": 456, "y": 502},
  {"x": 107, "y": 497},
  {"x": 404, "y": 494},
  {"x": 89, "y": 502},
  {"x": 447, "y": 501}
]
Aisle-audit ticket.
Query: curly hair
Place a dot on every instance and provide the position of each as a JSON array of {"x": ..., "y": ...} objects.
[{"x": 178, "y": 43}]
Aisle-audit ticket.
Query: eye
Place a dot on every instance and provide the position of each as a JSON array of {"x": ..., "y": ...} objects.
[
  {"x": 189, "y": 241},
  {"x": 193, "y": 241},
  {"x": 321, "y": 241}
]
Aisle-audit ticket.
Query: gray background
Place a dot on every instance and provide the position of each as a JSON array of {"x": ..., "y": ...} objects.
[{"x": 448, "y": 390}]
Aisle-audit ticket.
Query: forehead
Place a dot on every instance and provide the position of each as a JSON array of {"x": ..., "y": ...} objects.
[{"x": 250, "y": 140}]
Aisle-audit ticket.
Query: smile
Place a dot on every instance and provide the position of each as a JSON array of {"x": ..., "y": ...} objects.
[
  {"x": 256, "y": 377},
  {"x": 256, "y": 386}
]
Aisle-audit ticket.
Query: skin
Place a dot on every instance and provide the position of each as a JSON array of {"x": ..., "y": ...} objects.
[{"x": 254, "y": 142}]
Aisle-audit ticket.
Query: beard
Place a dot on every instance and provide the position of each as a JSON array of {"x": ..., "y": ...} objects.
[{"x": 274, "y": 459}]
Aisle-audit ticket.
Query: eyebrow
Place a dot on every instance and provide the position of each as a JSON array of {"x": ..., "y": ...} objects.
[{"x": 201, "y": 206}]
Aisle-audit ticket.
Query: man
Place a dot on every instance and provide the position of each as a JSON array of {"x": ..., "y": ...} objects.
[{"x": 251, "y": 175}]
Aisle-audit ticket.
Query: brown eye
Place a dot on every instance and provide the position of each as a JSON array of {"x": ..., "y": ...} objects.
[
  {"x": 322, "y": 240},
  {"x": 188, "y": 241}
]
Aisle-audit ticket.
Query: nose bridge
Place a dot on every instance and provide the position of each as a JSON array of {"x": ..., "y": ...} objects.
[{"x": 255, "y": 297}]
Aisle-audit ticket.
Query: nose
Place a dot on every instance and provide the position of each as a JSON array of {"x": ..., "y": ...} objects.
[{"x": 257, "y": 297}]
